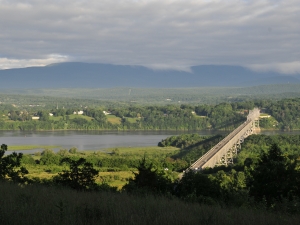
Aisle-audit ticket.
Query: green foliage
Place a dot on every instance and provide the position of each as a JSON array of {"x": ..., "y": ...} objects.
[
  {"x": 182, "y": 141},
  {"x": 27, "y": 159},
  {"x": 253, "y": 145},
  {"x": 197, "y": 187},
  {"x": 196, "y": 146},
  {"x": 115, "y": 152},
  {"x": 274, "y": 177},
  {"x": 10, "y": 166},
  {"x": 81, "y": 175},
  {"x": 49, "y": 158},
  {"x": 222, "y": 116},
  {"x": 148, "y": 179},
  {"x": 44, "y": 115},
  {"x": 63, "y": 152},
  {"x": 73, "y": 150}
]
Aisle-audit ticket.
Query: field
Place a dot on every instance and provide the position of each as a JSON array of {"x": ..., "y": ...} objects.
[
  {"x": 73, "y": 116},
  {"x": 30, "y": 147},
  {"x": 35, "y": 205},
  {"x": 116, "y": 177},
  {"x": 113, "y": 119}
]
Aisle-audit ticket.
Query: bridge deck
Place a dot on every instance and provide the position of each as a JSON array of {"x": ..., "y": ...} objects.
[{"x": 199, "y": 164}]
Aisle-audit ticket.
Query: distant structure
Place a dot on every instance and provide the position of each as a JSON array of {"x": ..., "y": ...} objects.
[{"x": 224, "y": 152}]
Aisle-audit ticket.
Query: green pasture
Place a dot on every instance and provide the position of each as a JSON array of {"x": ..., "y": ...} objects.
[
  {"x": 113, "y": 119},
  {"x": 264, "y": 114},
  {"x": 73, "y": 116},
  {"x": 113, "y": 178},
  {"x": 140, "y": 151},
  {"x": 132, "y": 120}
]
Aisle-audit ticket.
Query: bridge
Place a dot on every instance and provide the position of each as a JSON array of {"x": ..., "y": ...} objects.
[{"x": 224, "y": 152}]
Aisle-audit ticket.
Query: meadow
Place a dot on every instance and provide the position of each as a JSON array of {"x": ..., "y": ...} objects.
[
  {"x": 115, "y": 176},
  {"x": 37, "y": 204}
]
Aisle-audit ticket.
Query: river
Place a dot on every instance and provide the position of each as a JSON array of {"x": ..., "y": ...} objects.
[{"x": 95, "y": 140}]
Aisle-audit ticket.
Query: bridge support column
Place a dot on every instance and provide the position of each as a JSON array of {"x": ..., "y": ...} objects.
[
  {"x": 224, "y": 152},
  {"x": 256, "y": 126},
  {"x": 228, "y": 157}
]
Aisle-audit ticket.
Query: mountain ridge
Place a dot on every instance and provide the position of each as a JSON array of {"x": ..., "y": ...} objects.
[{"x": 96, "y": 75}]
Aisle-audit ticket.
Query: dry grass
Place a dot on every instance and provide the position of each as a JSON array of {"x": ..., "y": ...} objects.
[
  {"x": 115, "y": 179},
  {"x": 113, "y": 119},
  {"x": 30, "y": 147},
  {"x": 48, "y": 205}
]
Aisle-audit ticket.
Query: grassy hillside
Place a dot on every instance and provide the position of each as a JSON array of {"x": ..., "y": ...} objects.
[{"x": 48, "y": 205}]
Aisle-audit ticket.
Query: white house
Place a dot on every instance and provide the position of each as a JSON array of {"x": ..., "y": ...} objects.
[
  {"x": 106, "y": 113},
  {"x": 79, "y": 112}
]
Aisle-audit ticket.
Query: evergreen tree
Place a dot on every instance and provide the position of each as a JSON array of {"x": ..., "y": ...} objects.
[{"x": 274, "y": 177}]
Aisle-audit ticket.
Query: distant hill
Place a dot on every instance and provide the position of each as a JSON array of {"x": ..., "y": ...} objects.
[{"x": 92, "y": 75}]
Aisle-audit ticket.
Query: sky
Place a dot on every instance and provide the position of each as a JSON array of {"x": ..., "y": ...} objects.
[{"x": 263, "y": 35}]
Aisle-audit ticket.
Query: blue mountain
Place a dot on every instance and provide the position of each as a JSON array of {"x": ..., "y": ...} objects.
[{"x": 94, "y": 75}]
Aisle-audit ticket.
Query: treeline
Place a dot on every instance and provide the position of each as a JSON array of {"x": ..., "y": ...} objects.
[
  {"x": 106, "y": 162},
  {"x": 283, "y": 115},
  {"x": 149, "y": 96},
  {"x": 193, "y": 146}
]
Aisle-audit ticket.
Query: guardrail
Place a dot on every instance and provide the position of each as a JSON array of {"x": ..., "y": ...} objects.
[{"x": 253, "y": 114}]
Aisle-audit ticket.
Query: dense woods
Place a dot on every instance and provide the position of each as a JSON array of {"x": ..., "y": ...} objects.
[{"x": 282, "y": 115}]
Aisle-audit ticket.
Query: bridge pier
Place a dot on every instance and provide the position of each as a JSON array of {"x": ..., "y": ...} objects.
[{"x": 225, "y": 151}]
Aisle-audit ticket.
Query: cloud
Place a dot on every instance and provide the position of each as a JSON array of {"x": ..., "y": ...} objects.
[
  {"x": 284, "y": 68},
  {"x": 6, "y": 63},
  {"x": 160, "y": 34}
]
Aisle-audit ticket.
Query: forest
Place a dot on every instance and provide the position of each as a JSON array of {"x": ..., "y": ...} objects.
[{"x": 278, "y": 114}]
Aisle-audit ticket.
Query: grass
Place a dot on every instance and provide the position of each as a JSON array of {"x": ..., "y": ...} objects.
[
  {"x": 113, "y": 119},
  {"x": 132, "y": 120},
  {"x": 73, "y": 116},
  {"x": 36, "y": 204},
  {"x": 30, "y": 147},
  {"x": 264, "y": 114},
  {"x": 200, "y": 116},
  {"x": 113, "y": 178},
  {"x": 140, "y": 151}
]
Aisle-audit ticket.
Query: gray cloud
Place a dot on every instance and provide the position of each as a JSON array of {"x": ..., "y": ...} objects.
[{"x": 177, "y": 34}]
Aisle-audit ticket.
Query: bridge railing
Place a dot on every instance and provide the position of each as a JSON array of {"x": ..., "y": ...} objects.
[{"x": 224, "y": 141}]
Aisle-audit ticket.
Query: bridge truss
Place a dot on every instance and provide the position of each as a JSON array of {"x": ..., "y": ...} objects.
[{"x": 224, "y": 152}]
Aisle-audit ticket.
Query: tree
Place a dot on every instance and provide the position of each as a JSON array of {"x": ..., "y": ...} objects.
[
  {"x": 274, "y": 177},
  {"x": 10, "y": 166},
  {"x": 148, "y": 179},
  {"x": 197, "y": 187},
  {"x": 73, "y": 150},
  {"x": 44, "y": 116},
  {"x": 49, "y": 157},
  {"x": 81, "y": 175}
]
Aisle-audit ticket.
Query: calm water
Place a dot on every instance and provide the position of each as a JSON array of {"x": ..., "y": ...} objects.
[{"x": 94, "y": 140}]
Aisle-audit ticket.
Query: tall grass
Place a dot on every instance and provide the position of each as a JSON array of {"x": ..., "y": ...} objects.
[{"x": 49, "y": 205}]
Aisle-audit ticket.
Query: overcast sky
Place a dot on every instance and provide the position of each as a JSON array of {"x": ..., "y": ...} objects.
[{"x": 160, "y": 34}]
